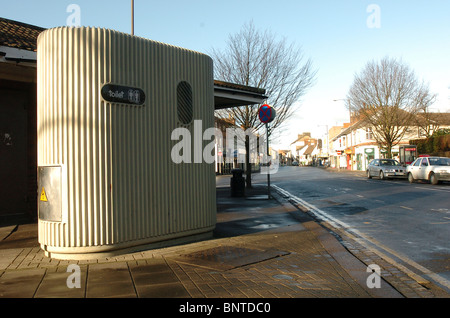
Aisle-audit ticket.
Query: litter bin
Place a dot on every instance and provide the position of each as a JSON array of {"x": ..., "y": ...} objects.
[{"x": 237, "y": 183}]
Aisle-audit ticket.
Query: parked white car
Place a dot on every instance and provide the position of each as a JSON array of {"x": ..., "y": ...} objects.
[{"x": 433, "y": 169}]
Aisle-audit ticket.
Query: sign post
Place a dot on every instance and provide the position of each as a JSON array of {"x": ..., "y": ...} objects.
[{"x": 266, "y": 115}]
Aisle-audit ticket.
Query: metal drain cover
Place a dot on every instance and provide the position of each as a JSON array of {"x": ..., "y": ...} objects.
[{"x": 228, "y": 257}]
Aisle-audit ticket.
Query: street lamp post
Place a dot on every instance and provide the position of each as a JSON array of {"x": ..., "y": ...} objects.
[
  {"x": 346, "y": 101},
  {"x": 132, "y": 17},
  {"x": 328, "y": 141}
]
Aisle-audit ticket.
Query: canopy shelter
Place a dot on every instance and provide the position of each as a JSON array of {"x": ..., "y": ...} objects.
[{"x": 228, "y": 95}]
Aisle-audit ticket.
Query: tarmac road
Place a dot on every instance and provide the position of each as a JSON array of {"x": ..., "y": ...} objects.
[{"x": 410, "y": 223}]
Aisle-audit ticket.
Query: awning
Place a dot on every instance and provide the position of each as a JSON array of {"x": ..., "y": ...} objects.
[
  {"x": 227, "y": 95},
  {"x": 350, "y": 151}
]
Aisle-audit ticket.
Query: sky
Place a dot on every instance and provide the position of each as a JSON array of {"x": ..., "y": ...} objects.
[{"x": 339, "y": 36}]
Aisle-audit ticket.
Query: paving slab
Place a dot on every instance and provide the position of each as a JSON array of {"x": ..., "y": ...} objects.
[
  {"x": 109, "y": 280},
  {"x": 164, "y": 290},
  {"x": 55, "y": 285},
  {"x": 20, "y": 284},
  {"x": 7, "y": 256}
]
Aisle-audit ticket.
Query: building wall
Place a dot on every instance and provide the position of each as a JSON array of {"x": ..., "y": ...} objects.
[{"x": 18, "y": 185}]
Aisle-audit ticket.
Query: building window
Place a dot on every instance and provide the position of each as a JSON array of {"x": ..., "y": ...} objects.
[
  {"x": 369, "y": 133},
  {"x": 184, "y": 103}
]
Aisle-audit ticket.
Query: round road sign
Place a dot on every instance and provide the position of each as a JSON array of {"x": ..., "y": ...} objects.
[{"x": 266, "y": 114}]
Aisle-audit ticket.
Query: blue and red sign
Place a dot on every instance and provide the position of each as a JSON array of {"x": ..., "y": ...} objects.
[{"x": 266, "y": 114}]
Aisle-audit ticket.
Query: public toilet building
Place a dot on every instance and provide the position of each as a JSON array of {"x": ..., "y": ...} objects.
[{"x": 107, "y": 104}]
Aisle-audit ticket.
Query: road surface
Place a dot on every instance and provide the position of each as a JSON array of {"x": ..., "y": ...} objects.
[{"x": 407, "y": 223}]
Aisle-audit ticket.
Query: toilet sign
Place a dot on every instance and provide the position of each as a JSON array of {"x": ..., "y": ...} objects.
[
  {"x": 266, "y": 114},
  {"x": 123, "y": 94}
]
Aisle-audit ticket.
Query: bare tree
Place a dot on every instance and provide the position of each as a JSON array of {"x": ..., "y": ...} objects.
[
  {"x": 257, "y": 59},
  {"x": 427, "y": 122},
  {"x": 386, "y": 95}
]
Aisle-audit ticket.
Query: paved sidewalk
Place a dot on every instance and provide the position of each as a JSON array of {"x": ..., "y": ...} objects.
[{"x": 261, "y": 249}]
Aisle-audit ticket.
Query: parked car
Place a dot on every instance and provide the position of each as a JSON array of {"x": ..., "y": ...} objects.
[
  {"x": 385, "y": 168},
  {"x": 433, "y": 169}
]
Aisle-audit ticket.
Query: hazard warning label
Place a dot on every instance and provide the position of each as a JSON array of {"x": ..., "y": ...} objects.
[
  {"x": 49, "y": 194},
  {"x": 43, "y": 196}
]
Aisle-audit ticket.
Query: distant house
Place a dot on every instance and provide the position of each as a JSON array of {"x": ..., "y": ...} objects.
[
  {"x": 304, "y": 149},
  {"x": 284, "y": 156},
  {"x": 354, "y": 146},
  {"x": 427, "y": 123}
]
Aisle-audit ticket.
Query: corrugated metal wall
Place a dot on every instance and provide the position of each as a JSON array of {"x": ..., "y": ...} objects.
[{"x": 120, "y": 184}]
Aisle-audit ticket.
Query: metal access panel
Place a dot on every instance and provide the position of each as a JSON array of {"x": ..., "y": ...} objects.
[{"x": 49, "y": 197}]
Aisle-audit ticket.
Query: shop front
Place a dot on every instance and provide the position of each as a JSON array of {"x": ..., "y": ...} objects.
[
  {"x": 369, "y": 155},
  {"x": 350, "y": 158}
]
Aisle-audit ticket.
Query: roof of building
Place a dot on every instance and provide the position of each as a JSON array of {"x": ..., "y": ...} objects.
[
  {"x": 304, "y": 136},
  {"x": 297, "y": 148},
  {"x": 228, "y": 95},
  {"x": 19, "y": 35},
  {"x": 238, "y": 86},
  {"x": 434, "y": 118},
  {"x": 442, "y": 119},
  {"x": 310, "y": 149}
]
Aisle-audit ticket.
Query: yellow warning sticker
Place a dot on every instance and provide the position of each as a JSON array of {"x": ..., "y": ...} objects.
[{"x": 43, "y": 196}]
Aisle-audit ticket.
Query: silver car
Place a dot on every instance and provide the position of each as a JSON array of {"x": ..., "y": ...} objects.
[
  {"x": 385, "y": 168},
  {"x": 433, "y": 169}
]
